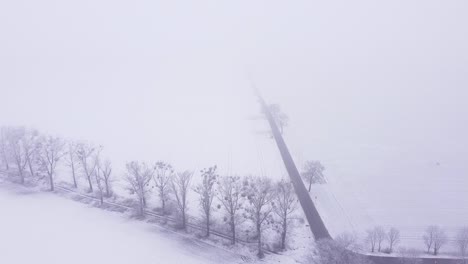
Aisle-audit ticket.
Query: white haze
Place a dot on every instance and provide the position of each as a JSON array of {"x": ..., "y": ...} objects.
[{"x": 374, "y": 89}]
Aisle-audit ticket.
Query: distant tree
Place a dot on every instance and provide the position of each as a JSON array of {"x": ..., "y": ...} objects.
[
  {"x": 440, "y": 239},
  {"x": 106, "y": 170},
  {"x": 17, "y": 150},
  {"x": 50, "y": 155},
  {"x": 280, "y": 118},
  {"x": 86, "y": 156},
  {"x": 138, "y": 176},
  {"x": 462, "y": 243},
  {"x": 393, "y": 237},
  {"x": 313, "y": 173},
  {"x": 230, "y": 194},
  {"x": 180, "y": 185},
  {"x": 4, "y": 147},
  {"x": 206, "y": 191},
  {"x": 32, "y": 146},
  {"x": 371, "y": 239},
  {"x": 71, "y": 159},
  {"x": 380, "y": 235},
  {"x": 260, "y": 194},
  {"x": 98, "y": 176},
  {"x": 162, "y": 178},
  {"x": 434, "y": 238},
  {"x": 285, "y": 203}
]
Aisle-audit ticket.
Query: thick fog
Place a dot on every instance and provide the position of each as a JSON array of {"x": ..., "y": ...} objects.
[{"x": 372, "y": 88}]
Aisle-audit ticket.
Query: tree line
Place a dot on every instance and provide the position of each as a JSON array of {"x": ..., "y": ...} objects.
[{"x": 267, "y": 204}]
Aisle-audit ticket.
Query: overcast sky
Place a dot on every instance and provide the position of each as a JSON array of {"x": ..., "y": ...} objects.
[{"x": 368, "y": 82}]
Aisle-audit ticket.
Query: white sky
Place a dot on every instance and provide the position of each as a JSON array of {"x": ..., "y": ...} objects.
[{"x": 370, "y": 82}]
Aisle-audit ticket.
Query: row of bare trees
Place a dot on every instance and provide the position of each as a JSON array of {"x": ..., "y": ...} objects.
[
  {"x": 434, "y": 239},
  {"x": 258, "y": 199},
  {"x": 28, "y": 153}
]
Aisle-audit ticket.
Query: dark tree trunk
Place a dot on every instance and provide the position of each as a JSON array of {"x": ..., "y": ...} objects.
[
  {"x": 107, "y": 189},
  {"x": 51, "y": 180},
  {"x": 74, "y": 176},
  {"x": 233, "y": 230},
  {"x": 163, "y": 201},
  {"x": 208, "y": 225},
  {"x": 90, "y": 184},
  {"x": 259, "y": 233},
  {"x": 30, "y": 167},
  {"x": 283, "y": 236},
  {"x": 183, "y": 219}
]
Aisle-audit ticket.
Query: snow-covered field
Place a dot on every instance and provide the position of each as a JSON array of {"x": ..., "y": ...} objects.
[
  {"x": 43, "y": 228},
  {"x": 423, "y": 194}
]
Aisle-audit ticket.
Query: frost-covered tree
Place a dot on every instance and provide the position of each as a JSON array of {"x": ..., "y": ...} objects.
[
  {"x": 106, "y": 170},
  {"x": 313, "y": 173},
  {"x": 86, "y": 156},
  {"x": 285, "y": 203},
  {"x": 280, "y": 118},
  {"x": 381, "y": 236},
  {"x": 206, "y": 191},
  {"x": 32, "y": 146},
  {"x": 4, "y": 147},
  {"x": 100, "y": 178},
  {"x": 375, "y": 238},
  {"x": 461, "y": 242},
  {"x": 50, "y": 155},
  {"x": 393, "y": 238},
  {"x": 71, "y": 159},
  {"x": 138, "y": 176},
  {"x": 180, "y": 184},
  {"x": 434, "y": 238},
  {"x": 17, "y": 151},
  {"x": 230, "y": 195},
  {"x": 260, "y": 194},
  {"x": 162, "y": 179}
]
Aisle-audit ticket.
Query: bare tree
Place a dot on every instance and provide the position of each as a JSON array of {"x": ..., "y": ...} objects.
[
  {"x": 180, "y": 184},
  {"x": 313, "y": 173},
  {"x": 259, "y": 192},
  {"x": 162, "y": 178},
  {"x": 230, "y": 194},
  {"x": 17, "y": 151},
  {"x": 440, "y": 239},
  {"x": 371, "y": 238},
  {"x": 462, "y": 243},
  {"x": 206, "y": 191},
  {"x": 86, "y": 158},
  {"x": 138, "y": 177},
  {"x": 32, "y": 147},
  {"x": 393, "y": 237},
  {"x": 99, "y": 177},
  {"x": 279, "y": 117},
  {"x": 4, "y": 145},
  {"x": 380, "y": 235},
  {"x": 51, "y": 153},
  {"x": 72, "y": 159},
  {"x": 106, "y": 170},
  {"x": 434, "y": 238},
  {"x": 285, "y": 204}
]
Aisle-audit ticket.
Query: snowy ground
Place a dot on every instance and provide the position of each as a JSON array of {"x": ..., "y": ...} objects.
[
  {"x": 428, "y": 193},
  {"x": 44, "y": 228},
  {"x": 52, "y": 229}
]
